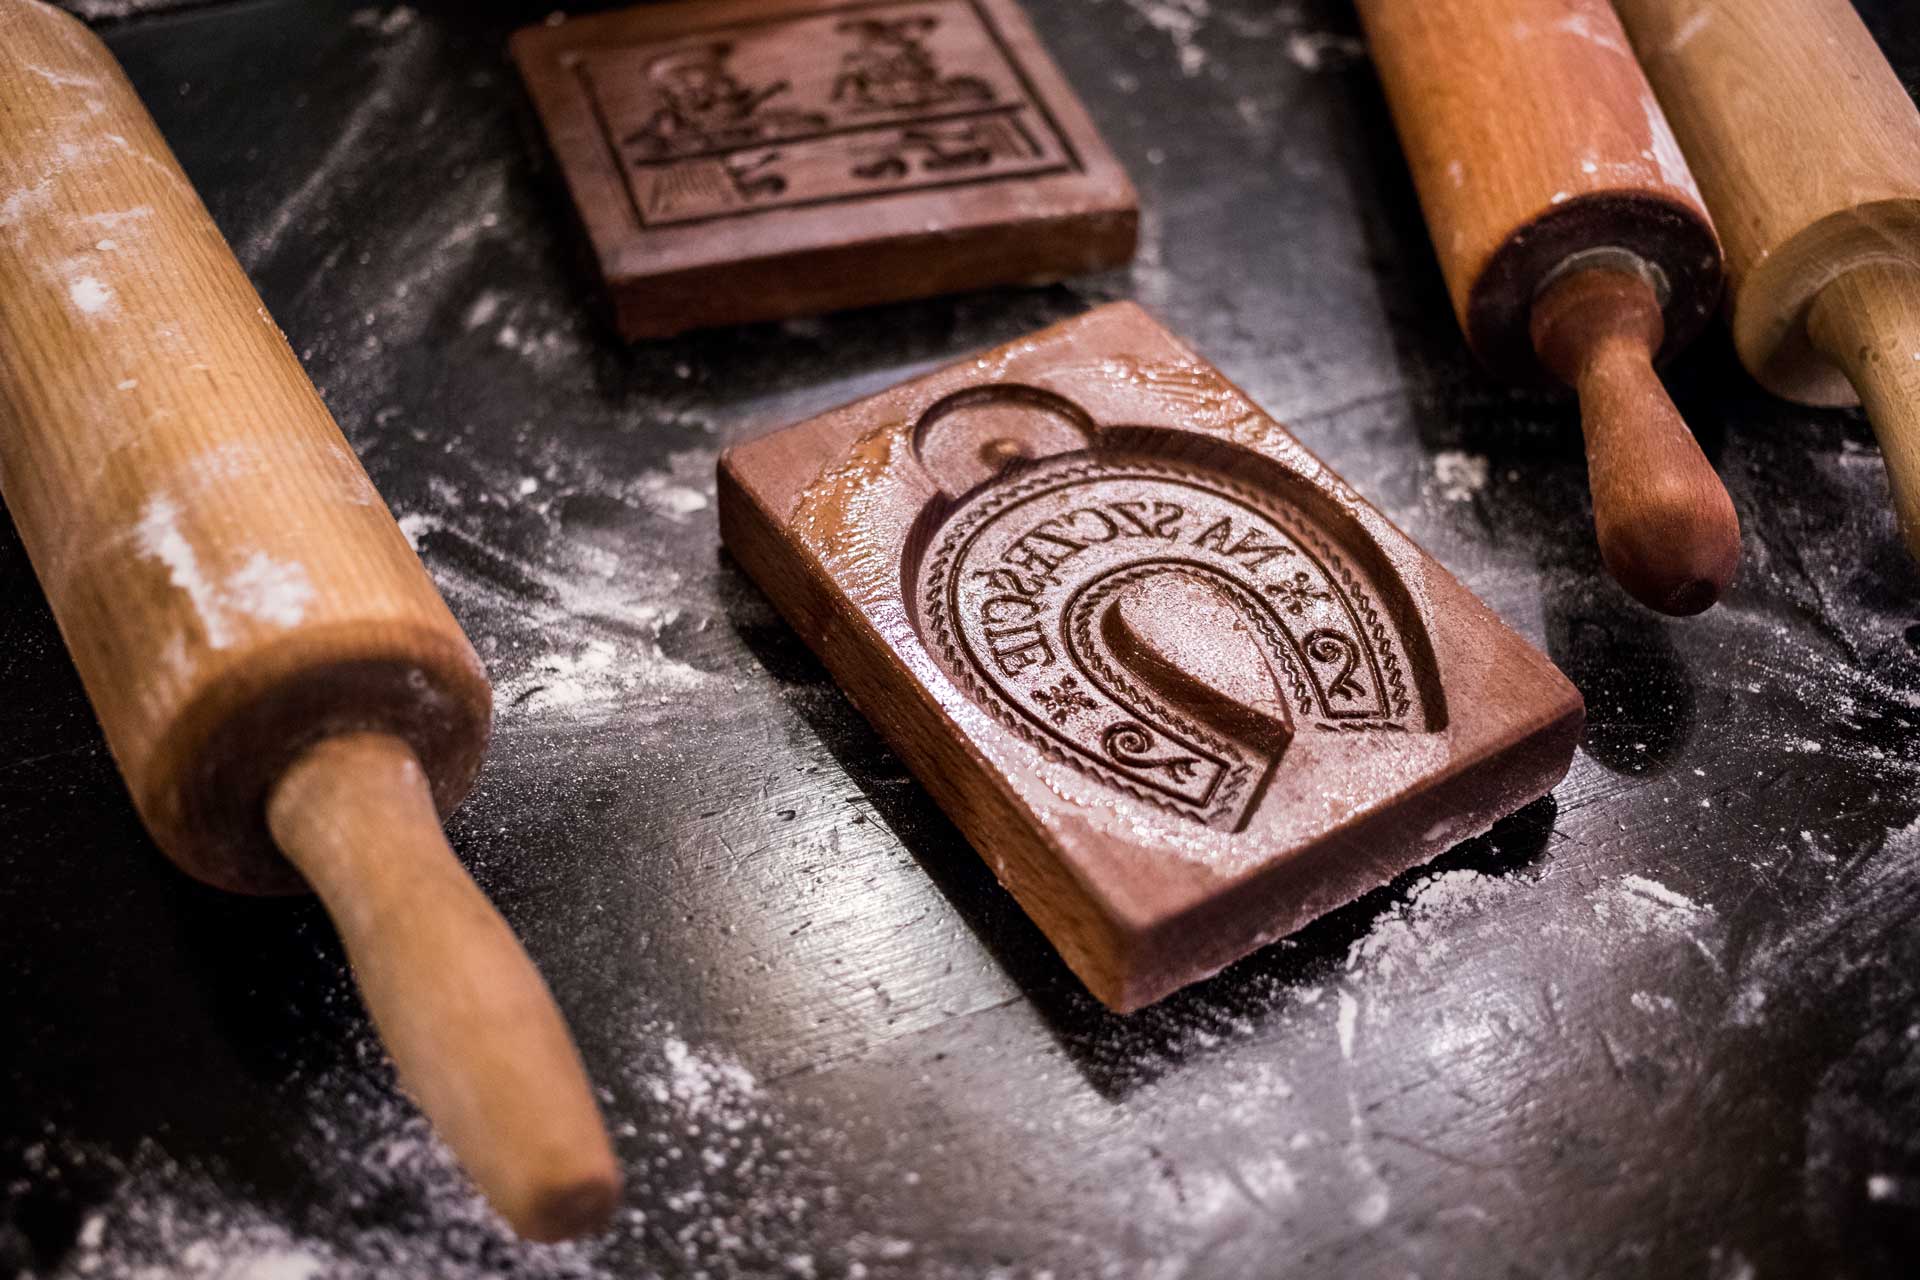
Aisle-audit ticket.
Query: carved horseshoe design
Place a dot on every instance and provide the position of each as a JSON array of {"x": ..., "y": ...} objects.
[{"x": 1154, "y": 624}]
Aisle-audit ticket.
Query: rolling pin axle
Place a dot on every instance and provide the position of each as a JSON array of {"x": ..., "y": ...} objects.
[
  {"x": 1807, "y": 147},
  {"x": 1575, "y": 249}
]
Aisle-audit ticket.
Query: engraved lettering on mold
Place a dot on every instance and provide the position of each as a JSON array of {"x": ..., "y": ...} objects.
[
  {"x": 1158, "y": 627},
  {"x": 816, "y": 108}
]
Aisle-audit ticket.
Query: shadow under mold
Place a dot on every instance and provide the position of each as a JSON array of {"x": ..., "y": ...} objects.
[{"x": 1117, "y": 1054}]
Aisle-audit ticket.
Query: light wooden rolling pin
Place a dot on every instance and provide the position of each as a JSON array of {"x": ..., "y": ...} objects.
[
  {"x": 1808, "y": 150},
  {"x": 1575, "y": 248},
  {"x": 273, "y": 668}
]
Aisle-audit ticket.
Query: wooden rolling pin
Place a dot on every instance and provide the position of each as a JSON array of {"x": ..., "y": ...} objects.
[
  {"x": 273, "y": 668},
  {"x": 1808, "y": 149},
  {"x": 1575, "y": 246}
]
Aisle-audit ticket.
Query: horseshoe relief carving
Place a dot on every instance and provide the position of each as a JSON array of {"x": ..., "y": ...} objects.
[{"x": 1158, "y": 625}]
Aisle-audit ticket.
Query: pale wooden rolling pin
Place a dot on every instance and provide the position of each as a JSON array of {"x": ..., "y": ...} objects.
[
  {"x": 274, "y": 670},
  {"x": 1808, "y": 150},
  {"x": 1576, "y": 249}
]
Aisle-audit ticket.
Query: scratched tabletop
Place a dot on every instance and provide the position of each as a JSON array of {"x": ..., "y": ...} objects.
[{"x": 1665, "y": 1022}]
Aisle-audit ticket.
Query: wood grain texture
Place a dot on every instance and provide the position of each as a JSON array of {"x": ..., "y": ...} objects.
[
  {"x": 760, "y": 159},
  {"x": 1808, "y": 148},
  {"x": 737, "y": 856},
  {"x": 1540, "y": 153},
  {"x": 1667, "y": 529},
  {"x": 1182, "y": 688},
  {"x": 231, "y": 586},
  {"x": 1532, "y": 135},
  {"x": 1868, "y": 323},
  {"x": 468, "y": 1021},
  {"x": 254, "y": 631}
]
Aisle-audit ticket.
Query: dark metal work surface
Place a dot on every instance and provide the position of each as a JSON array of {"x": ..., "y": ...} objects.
[{"x": 1664, "y": 1023}]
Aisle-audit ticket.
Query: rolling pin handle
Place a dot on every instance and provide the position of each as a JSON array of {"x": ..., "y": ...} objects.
[
  {"x": 1667, "y": 529},
  {"x": 1868, "y": 322},
  {"x": 472, "y": 1028}
]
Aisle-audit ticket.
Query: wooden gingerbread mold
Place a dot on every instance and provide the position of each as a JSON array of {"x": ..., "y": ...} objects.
[
  {"x": 1179, "y": 685},
  {"x": 738, "y": 160}
]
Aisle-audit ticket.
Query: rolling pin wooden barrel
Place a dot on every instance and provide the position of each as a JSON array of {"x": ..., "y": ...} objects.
[
  {"x": 1575, "y": 248},
  {"x": 1808, "y": 150},
  {"x": 287, "y": 696}
]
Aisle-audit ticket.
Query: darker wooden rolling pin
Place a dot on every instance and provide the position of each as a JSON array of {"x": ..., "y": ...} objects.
[
  {"x": 1808, "y": 149},
  {"x": 274, "y": 670},
  {"x": 1574, "y": 245}
]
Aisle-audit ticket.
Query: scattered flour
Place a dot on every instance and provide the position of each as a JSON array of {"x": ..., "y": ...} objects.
[
  {"x": 1375, "y": 1199},
  {"x": 1418, "y": 933},
  {"x": 96, "y": 10},
  {"x": 1581, "y": 26},
  {"x": 92, "y": 296},
  {"x": 709, "y": 1090},
  {"x": 260, "y": 588},
  {"x": 1749, "y": 1006},
  {"x": 23, "y": 201},
  {"x": 1647, "y": 906},
  {"x": 1684, "y": 33},
  {"x": 1348, "y": 1017},
  {"x": 391, "y": 22},
  {"x": 736, "y": 1194},
  {"x": 270, "y": 590},
  {"x": 1323, "y": 50},
  {"x": 276, "y": 1264},
  {"x": 1181, "y": 20},
  {"x": 416, "y": 526},
  {"x": 484, "y": 309},
  {"x": 597, "y": 678},
  {"x": 1458, "y": 475},
  {"x": 60, "y": 79},
  {"x": 1665, "y": 149}
]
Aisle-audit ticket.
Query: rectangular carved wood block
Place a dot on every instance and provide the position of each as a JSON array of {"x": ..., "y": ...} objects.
[
  {"x": 738, "y": 160},
  {"x": 1180, "y": 686}
]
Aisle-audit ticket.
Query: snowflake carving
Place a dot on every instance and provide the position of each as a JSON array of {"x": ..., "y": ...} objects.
[
  {"x": 1297, "y": 595},
  {"x": 1063, "y": 699}
]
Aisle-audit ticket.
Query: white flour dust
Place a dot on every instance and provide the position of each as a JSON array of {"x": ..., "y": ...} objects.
[
  {"x": 1419, "y": 932},
  {"x": 92, "y": 296},
  {"x": 731, "y": 1194},
  {"x": 1640, "y": 905},
  {"x": 385, "y": 22},
  {"x": 275, "y": 591},
  {"x": 1684, "y": 34},
  {"x": 1348, "y": 1017},
  {"x": 1323, "y": 50},
  {"x": 1457, "y": 475},
  {"x": 573, "y": 628},
  {"x": 96, "y": 10},
  {"x": 259, "y": 588},
  {"x": 1180, "y": 21}
]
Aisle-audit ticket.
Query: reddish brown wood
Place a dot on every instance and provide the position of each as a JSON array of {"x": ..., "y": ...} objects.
[
  {"x": 1539, "y": 152},
  {"x": 1668, "y": 531},
  {"x": 1532, "y": 135},
  {"x": 1181, "y": 687},
  {"x": 740, "y": 160}
]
